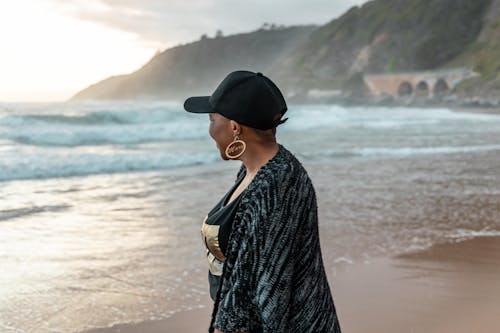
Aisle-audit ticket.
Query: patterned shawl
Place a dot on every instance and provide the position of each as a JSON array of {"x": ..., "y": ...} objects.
[{"x": 273, "y": 277}]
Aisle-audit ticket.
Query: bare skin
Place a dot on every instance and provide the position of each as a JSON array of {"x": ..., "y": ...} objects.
[{"x": 261, "y": 146}]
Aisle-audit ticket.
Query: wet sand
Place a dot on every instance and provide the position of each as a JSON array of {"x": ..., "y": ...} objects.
[
  {"x": 452, "y": 286},
  {"x": 448, "y": 288},
  {"x": 189, "y": 321}
]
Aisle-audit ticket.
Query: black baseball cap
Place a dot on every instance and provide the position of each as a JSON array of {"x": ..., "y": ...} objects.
[{"x": 246, "y": 97}]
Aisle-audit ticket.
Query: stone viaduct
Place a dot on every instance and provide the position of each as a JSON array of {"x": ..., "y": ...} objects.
[{"x": 425, "y": 84}]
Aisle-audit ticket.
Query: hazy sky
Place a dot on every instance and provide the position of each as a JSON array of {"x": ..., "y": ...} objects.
[{"x": 50, "y": 49}]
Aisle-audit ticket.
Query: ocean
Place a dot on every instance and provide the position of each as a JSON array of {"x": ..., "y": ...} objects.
[{"x": 101, "y": 202}]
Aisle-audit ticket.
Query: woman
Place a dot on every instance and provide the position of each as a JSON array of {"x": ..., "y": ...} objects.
[{"x": 266, "y": 272}]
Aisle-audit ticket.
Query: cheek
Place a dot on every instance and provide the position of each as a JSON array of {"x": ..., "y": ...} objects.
[
  {"x": 217, "y": 133},
  {"x": 211, "y": 129}
]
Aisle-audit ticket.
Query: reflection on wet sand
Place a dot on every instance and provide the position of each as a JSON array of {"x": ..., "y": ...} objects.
[{"x": 409, "y": 244}]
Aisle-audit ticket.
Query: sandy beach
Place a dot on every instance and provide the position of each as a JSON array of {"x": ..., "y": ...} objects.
[
  {"x": 447, "y": 288},
  {"x": 105, "y": 235},
  {"x": 451, "y": 286}
]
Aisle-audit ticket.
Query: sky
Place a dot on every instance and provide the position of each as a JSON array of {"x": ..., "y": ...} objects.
[{"x": 51, "y": 49}]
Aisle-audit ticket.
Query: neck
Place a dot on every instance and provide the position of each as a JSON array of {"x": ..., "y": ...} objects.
[{"x": 256, "y": 156}]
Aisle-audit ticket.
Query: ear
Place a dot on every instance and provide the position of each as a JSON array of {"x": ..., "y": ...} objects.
[{"x": 235, "y": 127}]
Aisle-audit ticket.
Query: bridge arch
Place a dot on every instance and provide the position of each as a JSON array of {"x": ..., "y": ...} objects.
[
  {"x": 441, "y": 88},
  {"x": 439, "y": 82},
  {"x": 422, "y": 89},
  {"x": 405, "y": 89}
]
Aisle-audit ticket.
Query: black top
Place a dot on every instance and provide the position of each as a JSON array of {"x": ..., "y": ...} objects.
[{"x": 223, "y": 216}]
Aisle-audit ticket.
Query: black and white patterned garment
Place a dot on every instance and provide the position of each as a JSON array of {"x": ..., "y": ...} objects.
[{"x": 273, "y": 277}]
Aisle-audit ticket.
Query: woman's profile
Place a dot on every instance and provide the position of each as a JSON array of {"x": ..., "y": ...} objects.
[{"x": 266, "y": 271}]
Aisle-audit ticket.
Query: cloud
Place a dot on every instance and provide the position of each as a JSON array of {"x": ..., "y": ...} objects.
[{"x": 171, "y": 22}]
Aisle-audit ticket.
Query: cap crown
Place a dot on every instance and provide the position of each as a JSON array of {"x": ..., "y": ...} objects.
[{"x": 250, "y": 99}]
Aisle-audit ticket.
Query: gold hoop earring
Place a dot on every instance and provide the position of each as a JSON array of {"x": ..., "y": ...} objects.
[{"x": 237, "y": 147}]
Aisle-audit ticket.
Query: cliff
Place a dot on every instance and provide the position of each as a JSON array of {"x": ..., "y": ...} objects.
[{"x": 380, "y": 36}]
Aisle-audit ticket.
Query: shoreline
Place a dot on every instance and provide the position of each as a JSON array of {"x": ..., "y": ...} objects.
[
  {"x": 486, "y": 105},
  {"x": 449, "y": 287},
  {"x": 488, "y": 108},
  {"x": 485, "y": 110},
  {"x": 125, "y": 247}
]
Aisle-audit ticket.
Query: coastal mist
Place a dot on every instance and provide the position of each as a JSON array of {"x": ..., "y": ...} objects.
[{"x": 101, "y": 203}]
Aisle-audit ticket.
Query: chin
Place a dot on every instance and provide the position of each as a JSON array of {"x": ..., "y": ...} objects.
[
  {"x": 222, "y": 153},
  {"x": 223, "y": 156}
]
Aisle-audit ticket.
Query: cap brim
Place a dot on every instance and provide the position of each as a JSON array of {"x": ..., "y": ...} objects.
[{"x": 198, "y": 104}]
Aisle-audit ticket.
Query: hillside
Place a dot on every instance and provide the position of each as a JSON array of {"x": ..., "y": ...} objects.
[
  {"x": 385, "y": 36},
  {"x": 196, "y": 68},
  {"x": 380, "y": 36},
  {"x": 484, "y": 56}
]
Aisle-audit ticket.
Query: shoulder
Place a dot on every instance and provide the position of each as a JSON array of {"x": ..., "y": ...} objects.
[
  {"x": 282, "y": 174},
  {"x": 288, "y": 170},
  {"x": 281, "y": 191}
]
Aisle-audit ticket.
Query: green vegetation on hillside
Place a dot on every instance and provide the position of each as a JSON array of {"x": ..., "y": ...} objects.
[
  {"x": 379, "y": 37},
  {"x": 402, "y": 35}
]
